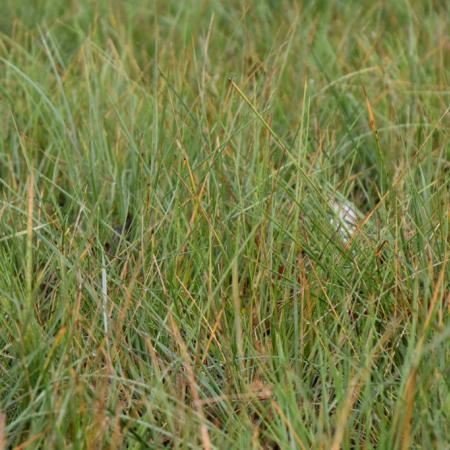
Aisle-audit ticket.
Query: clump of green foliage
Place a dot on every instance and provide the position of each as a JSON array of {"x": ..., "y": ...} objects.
[{"x": 170, "y": 273}]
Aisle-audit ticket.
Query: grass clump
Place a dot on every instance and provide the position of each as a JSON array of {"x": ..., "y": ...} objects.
[{"x": 172, "y": 276}]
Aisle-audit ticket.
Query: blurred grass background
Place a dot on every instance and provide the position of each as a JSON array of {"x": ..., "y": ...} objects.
[{"x": 169, "y": 274}]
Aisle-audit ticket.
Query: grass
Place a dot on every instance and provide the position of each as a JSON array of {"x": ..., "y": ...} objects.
[{"x": 170, "y": 273}]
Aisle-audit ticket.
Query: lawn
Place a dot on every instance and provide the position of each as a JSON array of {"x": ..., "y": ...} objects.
[{"x": 173, "y": 269}]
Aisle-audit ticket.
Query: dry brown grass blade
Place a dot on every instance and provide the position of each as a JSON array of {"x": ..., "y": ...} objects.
[
  {"x": 372, "y": 121},
  {"x": 288, "y": 424},
  {"x": 28, "y": 443},
  {"x": 356, "y": 383},
  {"x": 2, "y": 431},
  {"x": 410, "y": 394},
  {"x": 412, "y": 377},
  {"x": 213, "y": 334},
  {"x": 206, "y": 442}
]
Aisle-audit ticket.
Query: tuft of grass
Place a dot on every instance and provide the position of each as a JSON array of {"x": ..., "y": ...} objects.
[{"x": 172, "y": 275}]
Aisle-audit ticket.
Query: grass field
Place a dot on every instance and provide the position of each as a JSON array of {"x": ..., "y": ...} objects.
[{"x": 171, "y": 273}]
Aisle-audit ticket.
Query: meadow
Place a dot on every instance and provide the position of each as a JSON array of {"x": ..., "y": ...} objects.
[{"x": 171, "y": 272}]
